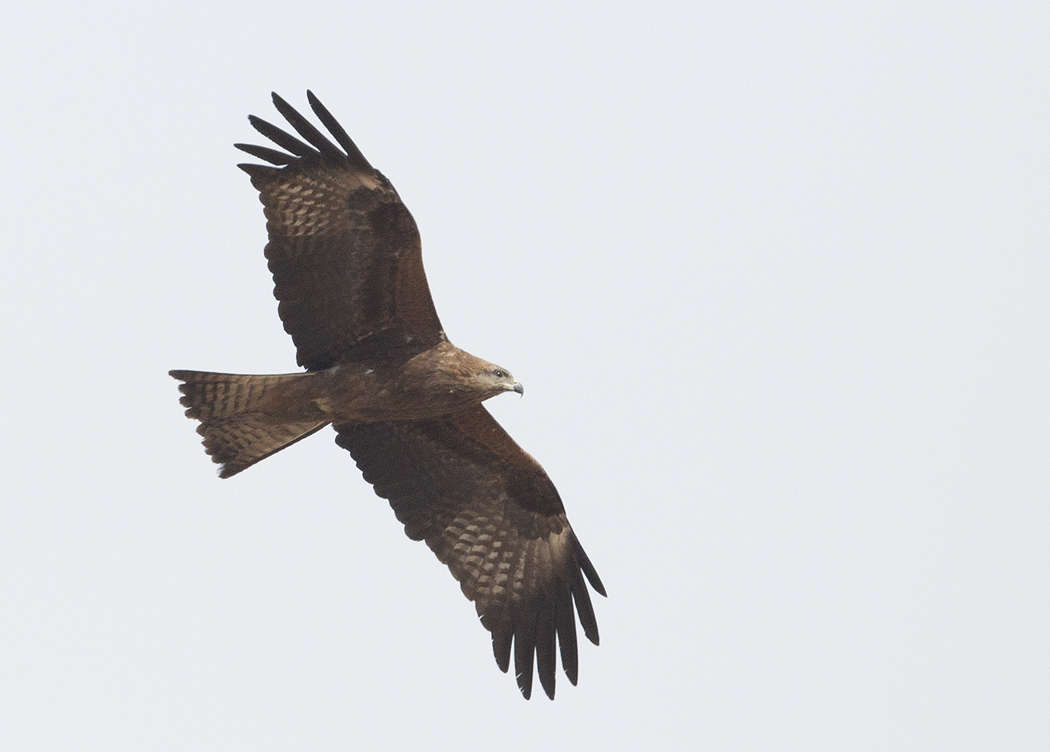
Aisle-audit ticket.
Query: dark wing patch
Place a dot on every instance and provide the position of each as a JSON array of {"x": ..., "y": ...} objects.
[
  {"x": 344, "y": 251},
  {"x": 487, "y": 510}
]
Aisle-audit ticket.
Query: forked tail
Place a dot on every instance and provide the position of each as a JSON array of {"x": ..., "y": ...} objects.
[{"x": 237, "y": 427}]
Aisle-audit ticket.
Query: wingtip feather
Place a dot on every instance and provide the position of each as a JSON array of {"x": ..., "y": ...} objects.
[
  {"x": 546, "y": 649},
  {"x": 266, "y": 154},
  {"x": 501, "y": 641},
  {"x": 308, "y": 131},
  {"x": 589, "y": 570},
  {"x": 257, "y": 171},
  {"x": 585, "y": 610},
  {"x": 525, "y": 652},
  {"x": 338, "y": 132},
  {"x": 282, "y": 138}
]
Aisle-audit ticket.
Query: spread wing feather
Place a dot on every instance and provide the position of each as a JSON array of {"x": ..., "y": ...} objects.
[
  {"x": 267, "y": 154},
  {"x": 344, "y": 251},
  {"x": 488, "y": 511}
]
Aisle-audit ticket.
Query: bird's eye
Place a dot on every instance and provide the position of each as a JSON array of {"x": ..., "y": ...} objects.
[{"x": 499, "y": 374}]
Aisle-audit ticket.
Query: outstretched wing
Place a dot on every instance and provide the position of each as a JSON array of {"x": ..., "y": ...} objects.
[
  {"x": 344, "y": 252},
  {"x": 489, "y": 511}
]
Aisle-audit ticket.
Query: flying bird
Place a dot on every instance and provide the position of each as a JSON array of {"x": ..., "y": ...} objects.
[{"x": 347, "y": 266}]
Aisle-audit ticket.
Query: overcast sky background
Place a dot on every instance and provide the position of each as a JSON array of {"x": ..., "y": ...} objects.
[{"x": 774, "y": 276}]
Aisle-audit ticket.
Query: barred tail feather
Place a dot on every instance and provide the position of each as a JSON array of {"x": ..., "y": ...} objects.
[{"x": 238, "y": 431}]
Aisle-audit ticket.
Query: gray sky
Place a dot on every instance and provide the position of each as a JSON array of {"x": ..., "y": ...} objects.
[{"x": 774, "y": 275}]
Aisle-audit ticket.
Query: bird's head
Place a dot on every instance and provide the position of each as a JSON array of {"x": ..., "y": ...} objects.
[
  {"x": 452, "y": 378},
  {"x": 500, "y": 380}
]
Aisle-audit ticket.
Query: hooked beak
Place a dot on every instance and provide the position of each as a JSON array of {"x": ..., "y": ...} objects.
[{"x": 519, "y": 388}]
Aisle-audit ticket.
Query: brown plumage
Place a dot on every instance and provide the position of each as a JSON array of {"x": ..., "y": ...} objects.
[{"x": 348, "y": 274}]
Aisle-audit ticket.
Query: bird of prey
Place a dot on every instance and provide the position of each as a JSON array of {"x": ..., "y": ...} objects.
[{"x": 405, "y": 402}]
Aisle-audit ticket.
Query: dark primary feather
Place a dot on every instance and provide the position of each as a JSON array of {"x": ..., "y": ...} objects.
[
  {"x": 489, "y": 512},
  {"x": 281, "y": 138},
  {"x": 328, "y": 121},
  {"x": 267, "y": 154},
  {"x": 344, "y": 251},
  {"x": 306, "y": 129}
]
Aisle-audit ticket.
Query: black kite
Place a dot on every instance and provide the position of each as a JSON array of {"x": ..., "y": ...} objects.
[{"x": 348, "y": 274}]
